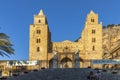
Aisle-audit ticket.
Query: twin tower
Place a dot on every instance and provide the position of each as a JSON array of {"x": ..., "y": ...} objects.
[{"x": 89, "y": 46}]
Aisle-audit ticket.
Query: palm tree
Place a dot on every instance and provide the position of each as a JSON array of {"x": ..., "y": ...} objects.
[{"x": 5, "y": 45}]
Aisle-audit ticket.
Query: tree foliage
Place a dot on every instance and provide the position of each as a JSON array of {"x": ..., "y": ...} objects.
[
  {"x": 5, "y": 45},
  {"x": 110, "y": 25}
]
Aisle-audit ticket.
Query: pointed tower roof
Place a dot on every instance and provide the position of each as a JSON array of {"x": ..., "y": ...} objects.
[
  {"x": 41, "y": 12},
  {"x": 91, "y": 12}
]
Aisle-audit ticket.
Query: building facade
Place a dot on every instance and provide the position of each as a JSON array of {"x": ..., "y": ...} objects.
[
  {"x": 89, "y": 46},
  {"x": 95, "y": 44}
]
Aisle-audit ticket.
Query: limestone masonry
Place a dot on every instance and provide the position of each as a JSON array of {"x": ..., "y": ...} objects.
[{"x": 89, "y": 46}]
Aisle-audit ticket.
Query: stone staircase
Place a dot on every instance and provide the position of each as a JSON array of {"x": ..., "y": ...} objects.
[{"x": 63, "y": 74}]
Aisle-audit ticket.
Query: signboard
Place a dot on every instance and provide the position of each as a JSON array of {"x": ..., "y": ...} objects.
[
  {"x": 22, "y": 63},
  {"x": 106, "y": 61}
]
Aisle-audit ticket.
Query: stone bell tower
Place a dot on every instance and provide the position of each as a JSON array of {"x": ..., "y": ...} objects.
[
  {"x": 92, "y": 37},
  {"x": 40, "y": 37}
]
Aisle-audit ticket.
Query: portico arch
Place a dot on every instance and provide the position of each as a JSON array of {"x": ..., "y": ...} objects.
[{"x": 66, "y": 63}]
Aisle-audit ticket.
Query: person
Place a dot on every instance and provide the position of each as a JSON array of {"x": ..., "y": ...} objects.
[
  {"x": 98, "y": 75},
  {"x": 90, "y": 76}
]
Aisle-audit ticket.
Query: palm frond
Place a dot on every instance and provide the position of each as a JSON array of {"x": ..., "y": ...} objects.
[
  {"x": 5, "y": 45},
  {"x": 3, "y": 53}
]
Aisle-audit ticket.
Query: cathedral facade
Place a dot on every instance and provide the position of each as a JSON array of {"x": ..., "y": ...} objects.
[{"x": 89, "y": 46}]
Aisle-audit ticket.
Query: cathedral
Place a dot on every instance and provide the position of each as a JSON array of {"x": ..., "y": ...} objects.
[
  {"x": 97, "y": 47},
  {"x": 88, "y": 47}
]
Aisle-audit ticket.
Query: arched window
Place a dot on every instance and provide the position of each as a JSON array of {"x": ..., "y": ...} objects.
[
  {"x": 39, "y": 21},
  {"x": 93, "y": 39},
  {"x": 38, "y": 31},
  {"x": 93, "y": 31},
  {"x": 92, "y": 20},
  {"x": 93, "y": 48},
  {"x": 38, "y": 40},
  {"x": 38, "y": 49}
]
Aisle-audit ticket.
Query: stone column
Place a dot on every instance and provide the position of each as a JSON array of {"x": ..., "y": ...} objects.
[
  {"x": 55, "y": 61},
  {"x": 77, "y": 60}
]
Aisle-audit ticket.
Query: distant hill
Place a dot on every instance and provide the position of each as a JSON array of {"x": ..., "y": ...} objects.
[{"x": 111, "y": 37}]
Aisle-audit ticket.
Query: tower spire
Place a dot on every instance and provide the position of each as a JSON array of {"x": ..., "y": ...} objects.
[
  {"x": 41, "y": 12},
  {"x": 92, "y": 12}
]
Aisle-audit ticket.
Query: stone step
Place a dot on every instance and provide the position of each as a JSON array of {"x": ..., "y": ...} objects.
[{"x": 63, "y": 74}]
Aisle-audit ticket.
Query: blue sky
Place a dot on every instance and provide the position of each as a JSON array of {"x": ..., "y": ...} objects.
[{"x": 66, "y": 19}]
